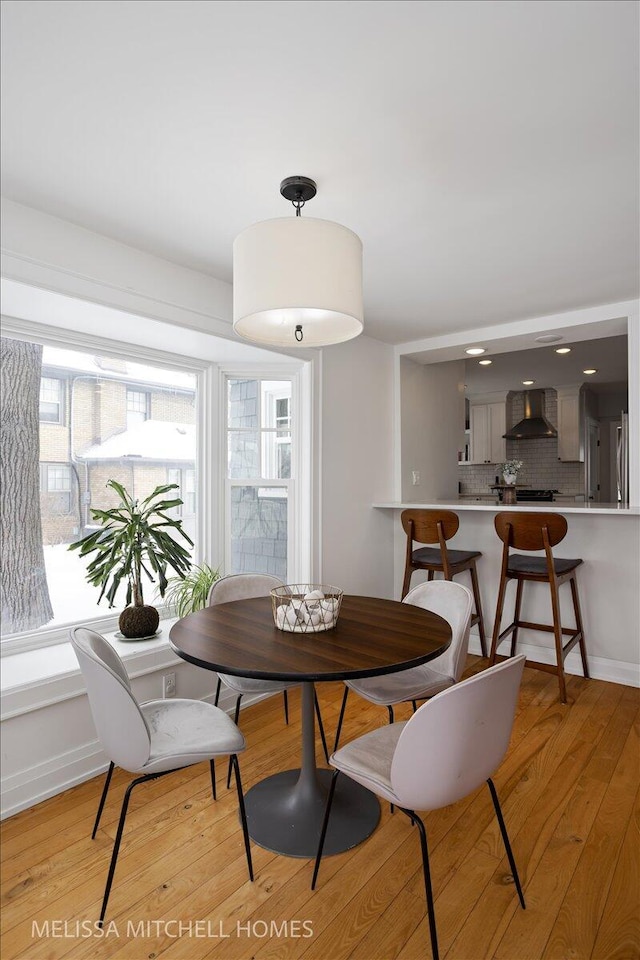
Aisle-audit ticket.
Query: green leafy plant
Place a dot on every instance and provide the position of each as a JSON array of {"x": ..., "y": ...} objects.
[
  {"x": 133, "y": 540},
  {"x": 189, "y": 593}
]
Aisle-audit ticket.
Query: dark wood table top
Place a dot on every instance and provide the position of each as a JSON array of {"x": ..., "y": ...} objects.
[{"x": 372, "y": 637}]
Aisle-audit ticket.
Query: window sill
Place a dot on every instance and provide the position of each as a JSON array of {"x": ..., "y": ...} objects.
[{"x": 39, "y": 678}]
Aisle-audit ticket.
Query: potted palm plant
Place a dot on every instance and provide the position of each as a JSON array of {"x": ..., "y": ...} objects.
[{"x": 135, "y": 538}]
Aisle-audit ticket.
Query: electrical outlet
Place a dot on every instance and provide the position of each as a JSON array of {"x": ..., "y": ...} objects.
[
  {"x": 415, "y": 477},
  {"x": 169, "y": 685}
]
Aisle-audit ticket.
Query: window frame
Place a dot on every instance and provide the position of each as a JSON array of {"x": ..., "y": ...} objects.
[
  {"x": 299, "y": 523},
  {"x": 206, "y": 422}
]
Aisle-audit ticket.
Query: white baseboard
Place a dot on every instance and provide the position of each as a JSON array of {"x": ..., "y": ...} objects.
[
  {"x": 34, "y": 784},
  {"x": 600, "y": 668}
]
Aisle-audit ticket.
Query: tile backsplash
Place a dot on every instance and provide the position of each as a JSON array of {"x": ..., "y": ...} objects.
[{"x": 541, "y": 467}]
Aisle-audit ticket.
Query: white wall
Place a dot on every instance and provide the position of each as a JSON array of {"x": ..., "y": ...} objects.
[
  {"x": 357, "y": 466},
  {"x": 432, "y": 415}
]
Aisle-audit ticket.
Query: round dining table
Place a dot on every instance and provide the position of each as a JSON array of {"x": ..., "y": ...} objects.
[{"x": 372, "y": 637}]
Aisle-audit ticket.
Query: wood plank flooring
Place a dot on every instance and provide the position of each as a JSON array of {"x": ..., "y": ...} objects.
[{"x": 569, "y": 788}]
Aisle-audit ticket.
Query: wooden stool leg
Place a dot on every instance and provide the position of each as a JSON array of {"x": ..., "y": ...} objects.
[
  {"x": 431, "y": 574},
  {"x": 516, "y": 616},
  {"x": 478, "y": 603},
  {"x": 406, "y": 583},
  {"x": 557, "y": 632},
  {"x": 498, "y": 619},
  {"x": 576, "y": 610}
]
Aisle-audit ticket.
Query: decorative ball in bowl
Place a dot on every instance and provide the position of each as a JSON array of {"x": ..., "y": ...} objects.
[{"x": 305, "y": 607}]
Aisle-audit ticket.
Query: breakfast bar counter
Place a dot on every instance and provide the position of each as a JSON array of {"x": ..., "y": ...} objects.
[{"x": 605, "y": 536}]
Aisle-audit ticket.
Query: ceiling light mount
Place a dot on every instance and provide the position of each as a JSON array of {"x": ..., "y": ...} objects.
[
  {"x": 298, "y": 190},
  {"x": 297, "y": 281}
]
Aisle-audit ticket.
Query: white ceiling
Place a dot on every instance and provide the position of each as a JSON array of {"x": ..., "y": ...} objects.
[{"x": 486, "y": 153}]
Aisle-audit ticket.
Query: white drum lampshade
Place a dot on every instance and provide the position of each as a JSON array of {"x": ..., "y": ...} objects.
[{"x": 297, "y": 282}]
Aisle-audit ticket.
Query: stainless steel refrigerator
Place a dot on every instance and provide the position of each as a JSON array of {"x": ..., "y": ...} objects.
[{"x": 622, "y": 461}]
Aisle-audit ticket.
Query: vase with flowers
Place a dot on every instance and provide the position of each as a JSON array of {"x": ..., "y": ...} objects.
[{"x": 510, "y": 470}]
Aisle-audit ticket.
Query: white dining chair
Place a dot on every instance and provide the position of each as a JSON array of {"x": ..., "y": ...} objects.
[
  {"x": 454, "y": 603},
  {"x": 246, "y": 586},
  {"x": 444, "y": 752},
  {"x": 153, "y": 738}
]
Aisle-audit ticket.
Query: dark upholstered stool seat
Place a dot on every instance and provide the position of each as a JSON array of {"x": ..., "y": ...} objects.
[
  {"x": 536, "y": 532},
  {"x": 537, "y": 566},
  {"x": 438, "y": 526},
  {"x": 434, "y": 556}
]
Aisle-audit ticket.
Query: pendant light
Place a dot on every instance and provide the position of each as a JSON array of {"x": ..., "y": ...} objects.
[{"x": 297, "y": 281}]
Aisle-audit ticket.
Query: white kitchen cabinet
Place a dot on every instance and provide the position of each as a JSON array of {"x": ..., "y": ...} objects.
[
  {"x": 570, "y": 421},
  {"x": 488, "y": 423}
]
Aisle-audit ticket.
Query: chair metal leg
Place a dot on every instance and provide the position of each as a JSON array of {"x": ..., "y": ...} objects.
[
  {"x": 235, "y": 720},
  {"x": 505, "y": 838},
  {"x": 116, "y": 845},
  {"x": 391, "y": 719},
  {"x": 233, "y": 759},
  {"x": 340, "y": 718},
  {"x": 321, "y": 725},
  {"x": 415, "y": 819},
  {"x": 325, "y": 824},
  {"x": 286, "y": 707},
  {"x": 212, "y": 766},
  {"x": 105, "y": 791},
  {"x": 218, "y": 688}
]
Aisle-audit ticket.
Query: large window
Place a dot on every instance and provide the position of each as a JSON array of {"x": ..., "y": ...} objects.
[
  {"x": 117, "y": 419},
  {"x": 260, "y": 479}
]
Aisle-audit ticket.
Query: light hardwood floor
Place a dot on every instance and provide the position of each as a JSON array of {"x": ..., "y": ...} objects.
[{"x": 569, "y": 791}]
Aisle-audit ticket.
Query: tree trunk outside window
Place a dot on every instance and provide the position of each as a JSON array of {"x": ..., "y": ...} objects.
[{"x": 24, "y": 593}]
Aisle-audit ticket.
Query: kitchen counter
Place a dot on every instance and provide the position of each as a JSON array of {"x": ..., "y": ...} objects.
[
  {"x": 605, "y": 536},
  {"x": 491, "y": 503}
]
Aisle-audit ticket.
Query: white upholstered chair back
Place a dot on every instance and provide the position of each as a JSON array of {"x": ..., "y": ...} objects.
[
  {"x": 454, "y": 603},
  {"x": 241, "y": 586},
  {"x": 456, "y": 740},
  {"x": 120, "y": 724}
]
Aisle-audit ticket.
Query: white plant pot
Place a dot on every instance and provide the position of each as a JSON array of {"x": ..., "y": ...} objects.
[{"x": 509, "y": 478}]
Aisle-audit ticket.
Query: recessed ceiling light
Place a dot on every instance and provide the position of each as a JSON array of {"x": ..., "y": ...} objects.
[
  {"x": 549, "y": 338},
  {"x": 590, "y": 371},
  {"x": 485, "y": 363},
  {"x": 527, "y": 383},
  {"x": 476, "y": 351},
  {"x": 563, "y": 350}
]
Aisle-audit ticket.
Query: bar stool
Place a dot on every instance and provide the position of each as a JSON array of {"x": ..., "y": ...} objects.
[
  {"x": 538, "y": 531},
  {"x": 438, "y": 526}
]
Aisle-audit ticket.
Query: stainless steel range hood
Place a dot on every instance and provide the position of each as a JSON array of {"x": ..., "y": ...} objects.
[{"x": 534, "y": 425}]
